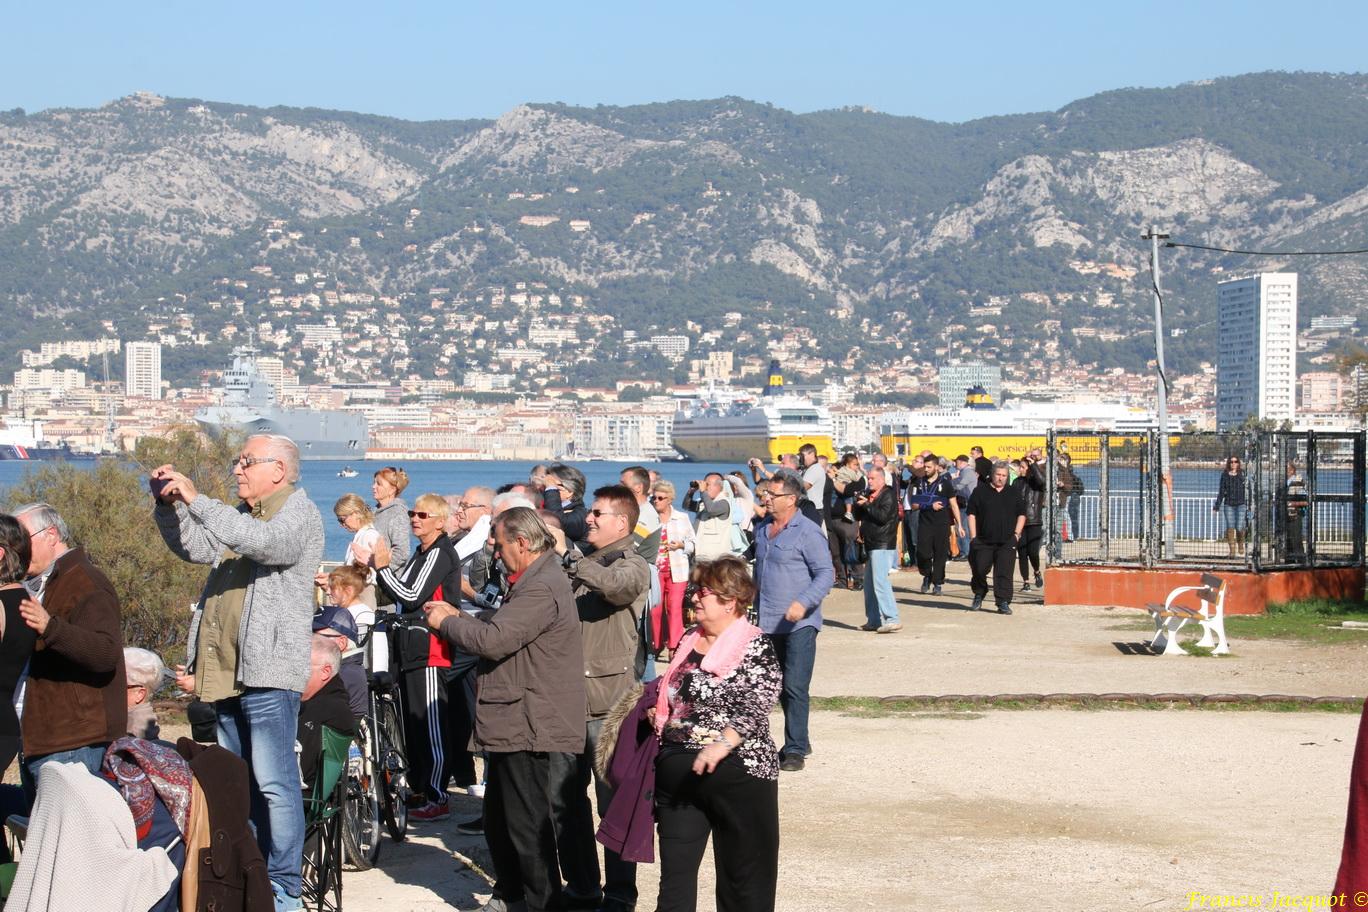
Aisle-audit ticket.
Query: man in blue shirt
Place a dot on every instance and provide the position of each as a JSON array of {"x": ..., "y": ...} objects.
[{"x": 793, "y": 573}]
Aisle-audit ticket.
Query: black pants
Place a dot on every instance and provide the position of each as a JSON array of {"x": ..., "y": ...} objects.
[
  {"x": 520, "y": 832},
  {"x": 575, "y": 826},
  {"x": 1028, "y": 550},
  {"x": 425, "y": 731},
  {"x": 933, "y": 550},
  {"x": 911, "y": 523},
  {"x": 998, "y": 558},
  {"x": 460, "y": 687},
  {"x": 742, "y": 814},
  {"x": 841, "y": 537}
]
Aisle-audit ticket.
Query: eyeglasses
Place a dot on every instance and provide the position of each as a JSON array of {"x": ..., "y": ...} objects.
[
  {"x": 418, "y": 514},
  {"x": 600, "y": 513},
  {"x": 247, "y": 462},
  {"x": 663, "y": 498},
  {"x": 774, "y": 494},
  {"x": 472, "y": 506}
]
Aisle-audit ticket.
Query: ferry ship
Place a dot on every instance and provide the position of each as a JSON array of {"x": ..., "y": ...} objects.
[
  {"x": 1006, "y": 433},
  {"x": 250, "y": 406},
  {"x": 728, "y": 425}
]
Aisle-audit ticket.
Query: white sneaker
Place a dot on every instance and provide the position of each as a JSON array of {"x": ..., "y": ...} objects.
[{"x": 476, "y": 791}]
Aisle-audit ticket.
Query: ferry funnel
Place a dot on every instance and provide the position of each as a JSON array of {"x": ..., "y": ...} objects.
[{"x": 775, "y": 386}]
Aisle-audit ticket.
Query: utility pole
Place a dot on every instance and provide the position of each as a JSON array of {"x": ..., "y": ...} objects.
[{"x": 1165, "y": 476}]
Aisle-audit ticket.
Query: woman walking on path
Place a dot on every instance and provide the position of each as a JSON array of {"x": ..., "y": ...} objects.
[{"x": 1230, "y": 498}]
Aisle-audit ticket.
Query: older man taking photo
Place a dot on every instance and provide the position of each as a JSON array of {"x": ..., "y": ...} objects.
[
  {"x": 793, "y": 573},
  {"x": 531, "y": 706},
  {"x": 248, "y": 651}
]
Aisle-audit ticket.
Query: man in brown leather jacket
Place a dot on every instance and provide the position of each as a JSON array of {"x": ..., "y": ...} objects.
[
  {"x": 76, "y": 701},
  {"x": 530, "y": 706}
]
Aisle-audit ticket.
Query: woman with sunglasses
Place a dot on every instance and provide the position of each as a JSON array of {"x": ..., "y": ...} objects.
[
  {"x": 433, "y": 574},
  {"x": 717, "y": 770},
  {"x": 672, "y": 563},
  {"x": 1230, "y": 499},
  {"x": 391, "y": 513}
]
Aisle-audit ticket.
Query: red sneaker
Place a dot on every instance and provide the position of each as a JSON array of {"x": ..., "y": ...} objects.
[{"x": 431, "y": 811}]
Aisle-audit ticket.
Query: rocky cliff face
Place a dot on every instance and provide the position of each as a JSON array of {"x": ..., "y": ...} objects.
[{"x": 865, "y": 212}]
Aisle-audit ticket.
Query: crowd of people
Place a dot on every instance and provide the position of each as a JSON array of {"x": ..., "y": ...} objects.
[{"x": 631, "y": 640}]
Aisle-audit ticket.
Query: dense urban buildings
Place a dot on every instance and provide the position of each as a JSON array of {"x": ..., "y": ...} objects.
[{"x": 1256, "y": 360}]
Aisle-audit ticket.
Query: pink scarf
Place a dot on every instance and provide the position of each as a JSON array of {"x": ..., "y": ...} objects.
[{"x": 726, "y": 653}]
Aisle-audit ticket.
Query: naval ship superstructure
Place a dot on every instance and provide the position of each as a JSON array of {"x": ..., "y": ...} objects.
[{"x": 250, "y": 405}]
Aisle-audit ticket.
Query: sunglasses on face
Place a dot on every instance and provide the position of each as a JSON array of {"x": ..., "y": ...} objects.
[
  {"x": 597, "y": 514},
  {"x": 418, "y": 514},
  {"x": 660, "y": 498}
]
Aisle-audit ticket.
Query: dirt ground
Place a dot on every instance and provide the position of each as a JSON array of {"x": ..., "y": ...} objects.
[{"x": 1017, "y": 810}]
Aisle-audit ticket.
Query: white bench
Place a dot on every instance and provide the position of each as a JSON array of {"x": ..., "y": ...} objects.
[{"x": 1169, "y": 618}]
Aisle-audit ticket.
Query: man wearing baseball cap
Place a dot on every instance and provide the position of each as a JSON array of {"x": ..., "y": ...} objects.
[{"x": 337, "y": 625}]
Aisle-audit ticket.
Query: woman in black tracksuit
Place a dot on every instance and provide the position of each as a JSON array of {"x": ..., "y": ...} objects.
[{"x": 425, "y": 660}]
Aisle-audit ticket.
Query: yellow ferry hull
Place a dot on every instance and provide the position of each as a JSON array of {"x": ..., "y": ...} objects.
[
  {"x": 740, "y": 447},
  {"x": 1083, "y": 450}
]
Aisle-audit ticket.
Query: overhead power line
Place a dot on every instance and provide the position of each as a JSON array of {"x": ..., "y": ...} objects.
[{"x": 1267, "y": 253}]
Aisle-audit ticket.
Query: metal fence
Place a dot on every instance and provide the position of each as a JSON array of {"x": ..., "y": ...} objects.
[{"x": 1298, "y": 500}]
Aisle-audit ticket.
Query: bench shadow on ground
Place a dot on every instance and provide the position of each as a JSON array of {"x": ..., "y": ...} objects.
[{"x": 1134, "y": 649}]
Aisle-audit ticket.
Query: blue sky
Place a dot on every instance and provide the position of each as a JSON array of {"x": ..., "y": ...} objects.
[{"x": 458, "y": 59}]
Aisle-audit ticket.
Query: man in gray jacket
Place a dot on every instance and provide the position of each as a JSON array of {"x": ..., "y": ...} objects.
[
  {"x": 530, "y": 706},
  {"x": 248, "y": 650},
  {"x": 610, "y": 586}
]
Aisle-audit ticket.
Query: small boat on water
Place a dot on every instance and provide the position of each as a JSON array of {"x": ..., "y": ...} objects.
[{"x": 347, "y": 472}]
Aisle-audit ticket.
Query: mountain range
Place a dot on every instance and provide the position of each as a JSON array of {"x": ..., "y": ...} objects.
[{"x": 683, "y": 211}]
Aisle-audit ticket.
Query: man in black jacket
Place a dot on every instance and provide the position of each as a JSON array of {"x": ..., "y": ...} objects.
[
  {"x": 933, "y": 528},
  {"x": 996, "y": 517},
  {"x": 982, "y": 465},
  {"x": 877, "y": 512}
]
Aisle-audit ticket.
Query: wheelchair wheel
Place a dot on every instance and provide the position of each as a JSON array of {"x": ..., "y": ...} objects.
[
  {"x": 393, "y": 773},
  {"x": 361, "y": 810}
]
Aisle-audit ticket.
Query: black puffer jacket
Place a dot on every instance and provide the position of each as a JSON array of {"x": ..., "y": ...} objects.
[{"x": 879, "y": 521}]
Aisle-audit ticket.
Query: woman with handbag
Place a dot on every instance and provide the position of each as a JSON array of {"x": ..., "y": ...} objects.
[
  {"x": 676, "y": 547},
  {"x": 717, "y": 771}
]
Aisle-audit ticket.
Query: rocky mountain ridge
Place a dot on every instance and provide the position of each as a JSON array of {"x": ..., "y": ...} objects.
[{"x": 682, "y": 211}]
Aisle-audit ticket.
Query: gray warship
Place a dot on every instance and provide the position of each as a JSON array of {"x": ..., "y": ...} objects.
[{"x": 250, "y": 405}]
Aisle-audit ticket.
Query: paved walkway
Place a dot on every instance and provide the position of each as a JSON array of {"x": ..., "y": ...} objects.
[{"x": 1004, "y": 810}]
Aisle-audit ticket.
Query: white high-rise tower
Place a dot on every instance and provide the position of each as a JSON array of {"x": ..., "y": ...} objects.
[
  {"x": 142, "y": 370},
  {"x": 1256, "y": 358}
]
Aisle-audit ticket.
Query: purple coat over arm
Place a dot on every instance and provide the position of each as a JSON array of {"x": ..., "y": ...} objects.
[{"x": 628, "y": 826}]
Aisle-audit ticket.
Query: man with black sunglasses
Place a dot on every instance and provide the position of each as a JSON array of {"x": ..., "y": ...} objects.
[{"x": 611, "y": 586}]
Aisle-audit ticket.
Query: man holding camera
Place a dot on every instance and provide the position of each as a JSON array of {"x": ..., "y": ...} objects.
[{"x": 713, "y": 535}]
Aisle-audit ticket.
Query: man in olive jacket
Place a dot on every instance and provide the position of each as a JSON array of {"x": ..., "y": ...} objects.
[
  {"x": 530, "y": 706},
  {"x": 611, "y": 586}
]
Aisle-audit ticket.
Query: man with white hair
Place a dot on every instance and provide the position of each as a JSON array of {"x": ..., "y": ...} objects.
[
  {"x": 323, "y": 703},
  {"x": 248, "y": 650},
  {"x": 146, "y": 672},
  {"x": 72, "y": 707}
]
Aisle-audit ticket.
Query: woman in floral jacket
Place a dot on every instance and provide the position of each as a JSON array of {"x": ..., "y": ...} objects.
[{"x": 718, "y": 768}]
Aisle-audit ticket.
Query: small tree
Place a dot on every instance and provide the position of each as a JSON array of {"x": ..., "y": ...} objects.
[{"x": 109, "y": 512}]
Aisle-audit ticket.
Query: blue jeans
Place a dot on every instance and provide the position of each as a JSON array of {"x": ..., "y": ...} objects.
[
  {"x": 91, "y": 757},
  {"x": 880, "y": 605},
  {"x": 260, "y": 726},
  {"x": 797, "y": 653},
  {"x": 1236, "y": 517}
]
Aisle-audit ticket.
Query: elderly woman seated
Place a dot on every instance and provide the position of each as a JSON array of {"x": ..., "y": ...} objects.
[{"x": 145, "y": 673}]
